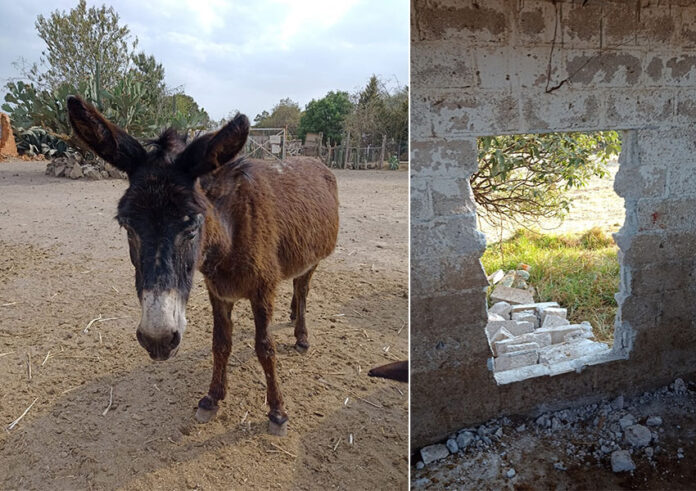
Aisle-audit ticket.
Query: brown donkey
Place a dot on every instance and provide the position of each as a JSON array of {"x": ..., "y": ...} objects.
[{"x": 245, "y": 224}]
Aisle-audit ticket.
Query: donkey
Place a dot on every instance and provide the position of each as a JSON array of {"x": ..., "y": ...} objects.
[{"x": 245, "y": 224}]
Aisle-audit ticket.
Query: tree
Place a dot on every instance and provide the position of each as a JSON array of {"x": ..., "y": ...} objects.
[
  {"x": 366, "y": 122},
  {"x": 326, "y": 115},
  {"x": 524, "y": 178},
  {"x": 83, "y": 43},
  {"x": 285, "y": 114}
]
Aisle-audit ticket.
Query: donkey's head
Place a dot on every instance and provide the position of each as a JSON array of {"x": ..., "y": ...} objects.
[{"x": 162, "y": 210}]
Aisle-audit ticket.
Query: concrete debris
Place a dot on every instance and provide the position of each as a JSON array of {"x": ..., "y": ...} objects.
[
  {"x": 638, "y": 436},
  {"x": 495, "y": 278},
  {"x": 503, "y": 309},
  {"x": 431, "y": 453},
  {"x": 621, "y": 461},
  {"x": 554, "y": 321},
  {"x": 452, "y": 446},
  {"x": 513, "y": 296},
  {"x": 654, "y": 421},
  {"x": 465, "y": 439}
]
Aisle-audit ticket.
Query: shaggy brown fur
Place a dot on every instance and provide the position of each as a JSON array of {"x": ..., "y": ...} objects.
[{"x": 254, "y": 224}]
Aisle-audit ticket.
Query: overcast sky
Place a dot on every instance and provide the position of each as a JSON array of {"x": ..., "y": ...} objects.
[{"x": 241, "y": 55}]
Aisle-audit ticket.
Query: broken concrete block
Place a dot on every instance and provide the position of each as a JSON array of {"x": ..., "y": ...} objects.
[
  {"x": 508, "y": 279},
  {"x": 516, "y": 328},
  {"x": 558, "y": 333},
  {"x": 621, "y": 461},
  {"x": 431, "y": 453},
  {"x": 496, "y": 277},
  {"x": 533, "y": 306},
  {"x": 558, "y": 353},
  {"x": 501, "y": 308},
  {"x": 513, "y": 296},
  {"x": 516, "y": 359},
  {"x": 554, "y": 321},
  {"x": 495, "y": 317},
  {"x": 575, "y": 335},
  {"x": 526, "y": 316},
  {"x": 638, "y": 436},
  {"x": 522, "y": 373},
  {"x": 557, "y": 311},
  {"x": 496, "y": 331},
  {"x": 543, "y": 339},
  {"x": 510, "y": 348}
]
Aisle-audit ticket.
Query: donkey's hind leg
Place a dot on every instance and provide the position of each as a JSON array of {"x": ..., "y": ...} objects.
[{"x": 300, "y": 290}]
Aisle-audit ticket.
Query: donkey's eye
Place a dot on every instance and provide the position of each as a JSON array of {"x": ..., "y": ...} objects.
[{"x": 190, "y": 234}]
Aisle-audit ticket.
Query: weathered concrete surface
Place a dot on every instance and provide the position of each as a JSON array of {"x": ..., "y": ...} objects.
[{"x": 504, "y": 66}]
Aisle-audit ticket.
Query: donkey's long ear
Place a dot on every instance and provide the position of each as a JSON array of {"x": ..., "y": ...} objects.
[
  {"x": 108, "y": 140},
  {"x": 209, "y": 152}
]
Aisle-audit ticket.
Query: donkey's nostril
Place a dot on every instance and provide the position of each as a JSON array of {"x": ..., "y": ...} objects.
[{"x": 176, "y": 339}]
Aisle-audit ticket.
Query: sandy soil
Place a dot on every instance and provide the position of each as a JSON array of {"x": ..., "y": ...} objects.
[
  {"x": 64, "y": 262},
  {"x": 596, "y": 205}
]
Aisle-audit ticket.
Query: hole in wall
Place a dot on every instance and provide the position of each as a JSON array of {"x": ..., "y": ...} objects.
[{"x": 547, "y": 206}]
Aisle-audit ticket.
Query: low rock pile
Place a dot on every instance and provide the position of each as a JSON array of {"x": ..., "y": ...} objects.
[
  {"x": 530, "y": 339},
  {"x": 75, "y": 166},
  {"x": 615, "y": 434}
]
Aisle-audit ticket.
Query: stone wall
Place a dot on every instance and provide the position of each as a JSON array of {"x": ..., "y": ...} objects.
[{"x": 529, "y": 66}]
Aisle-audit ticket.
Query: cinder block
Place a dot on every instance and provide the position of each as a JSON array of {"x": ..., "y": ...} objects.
[
  {"x": 516, "y": 328},
  {"x": 516, "y": 359},
  {"x": 554, "y": 321},
  {"x": 557, "y": 311},
  {"x": 533, "y": 306},
  {"x": 497, "y": 332},
  {"x": 513, "y": 296},
  {"x": 559, "y": 332},
  {"x": 526, "y": 316},
  {"x": 448, "y": 158},
  {"x": 542, "y": 339},
  {"x": 495, "y": 317},
  {"x": 501, "y": 308}
]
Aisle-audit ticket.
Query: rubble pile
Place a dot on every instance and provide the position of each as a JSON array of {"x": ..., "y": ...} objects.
[
  {"x": 75, "y": 166},
  {"x": 530, "y": 339}
]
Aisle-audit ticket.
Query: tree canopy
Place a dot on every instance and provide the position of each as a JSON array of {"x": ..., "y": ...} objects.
[
  {"x": 524, "y": 178},
  {"x": 82, "y": 43},
  {"x": 326, "y": 115},
  {"x": 285, "y": 114}
]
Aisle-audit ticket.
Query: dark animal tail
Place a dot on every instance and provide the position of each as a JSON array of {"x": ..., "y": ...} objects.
[{"x": 394, "y": 371}]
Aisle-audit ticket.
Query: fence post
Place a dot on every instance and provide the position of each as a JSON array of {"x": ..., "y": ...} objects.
[
  {"x": 345, "y": 156},
  {"x": 381, "y": 154}
]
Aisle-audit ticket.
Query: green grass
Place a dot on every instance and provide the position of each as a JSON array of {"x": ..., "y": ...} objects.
[{"x": 580, "y": 272}]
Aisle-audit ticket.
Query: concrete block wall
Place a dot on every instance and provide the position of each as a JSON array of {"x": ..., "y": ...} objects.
[{"x": 528, "y": 66}]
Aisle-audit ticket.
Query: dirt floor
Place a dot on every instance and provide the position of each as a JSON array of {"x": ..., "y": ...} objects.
[
  {"x": 595, "y": 205},
  {"x": 572, "y": 449},
  {"x": 64, "y": 262}
]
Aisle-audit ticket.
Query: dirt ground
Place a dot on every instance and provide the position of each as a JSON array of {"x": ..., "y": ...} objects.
[
  {"x": 595, "y": 205},
  {"x": 571, "y": 449},
  {"x": 64, "y": 262}
]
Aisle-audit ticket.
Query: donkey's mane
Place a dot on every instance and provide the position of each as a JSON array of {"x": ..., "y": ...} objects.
[{"x": 167, "y": 145}]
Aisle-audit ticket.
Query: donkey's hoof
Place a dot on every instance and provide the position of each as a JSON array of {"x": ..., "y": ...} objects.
[
  {"x": 277, "y": 423},
  {"x": 207, "y": 409},
  {"x": 205, "y": 415},
  {"x": 278, "y": 429},
  {"x": 302, "y": 346}
]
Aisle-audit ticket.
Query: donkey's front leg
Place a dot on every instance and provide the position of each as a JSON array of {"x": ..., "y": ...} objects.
[
  {"x": 262, "y": 306},
  {"x": 222, "y": 344}
]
